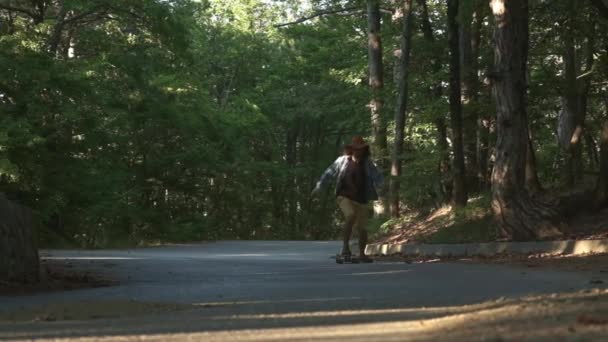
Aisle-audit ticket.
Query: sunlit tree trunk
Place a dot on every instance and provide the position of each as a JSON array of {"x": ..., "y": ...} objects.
[
  {"x": 376, "y": 84},
  {"x": 519, "y": 216},
  {"x": 401, "y": 108}
]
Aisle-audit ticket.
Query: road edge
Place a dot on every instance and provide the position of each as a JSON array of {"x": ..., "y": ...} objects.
[{"x": 565, "y": 247}]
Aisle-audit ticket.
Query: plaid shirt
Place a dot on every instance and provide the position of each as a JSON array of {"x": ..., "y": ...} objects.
[{"x": 336, "y": 170}]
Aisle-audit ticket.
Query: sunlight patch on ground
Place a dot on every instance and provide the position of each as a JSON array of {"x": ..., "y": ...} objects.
[{"x": 256, "y": 302}]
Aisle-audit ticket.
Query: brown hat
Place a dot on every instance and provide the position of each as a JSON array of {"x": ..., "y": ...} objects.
[{"x": 357, "y": 143}]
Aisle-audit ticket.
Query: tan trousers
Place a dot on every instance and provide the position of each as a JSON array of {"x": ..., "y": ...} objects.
[{"x": 355, "y": 215}]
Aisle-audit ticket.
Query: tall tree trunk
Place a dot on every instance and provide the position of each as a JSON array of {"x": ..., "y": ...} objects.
[
  {"x": 444, "y": 168},
  {"x": 519, "y": 216},
  {"x": 291, "y": 155},
  {"x": 376, "y": 84},
  {"x": 470, "y": 29},
  {"x": 8, "y": 27},
  {"x": 459, "y": 196},
  {"x": 483, "y": 151},
  {"x": 594, "y": 159},
  {"x": 569, "y": 124},
  {"x": 427, "y": 29},
  {"x": 401, "y": 108},
  {"x": 486, "y": 124},
  {"x": 574, "y": 103},
  {"x": 601, "y": 190},
  {"x": 55, "y": 38}
]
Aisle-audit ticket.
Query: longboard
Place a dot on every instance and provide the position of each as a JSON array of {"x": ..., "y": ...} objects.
[{"x": 347, "y": 259}]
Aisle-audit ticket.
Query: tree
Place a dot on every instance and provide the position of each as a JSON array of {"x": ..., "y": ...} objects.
[
  {"x": 471, "y": 16},
  {"x": 575, "y": 91},
  {"x": 401, "y": 107},
  {"x": 601, "y": 189},
  {"x": 520, "y": 217},
  {"x": 376, "y": 84},
  {"x": 459, "y": 192},
  {"x": 445, "y": 183},
  {"x": 602, "y": 6}
]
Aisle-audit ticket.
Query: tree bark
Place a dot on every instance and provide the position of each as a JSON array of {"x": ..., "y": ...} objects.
[
  {"x": 376, "y": 84},
  {"x": 459, "y": 196},
  {"x": 401, "y": 107},
  {"x": 519, "y": 215}
]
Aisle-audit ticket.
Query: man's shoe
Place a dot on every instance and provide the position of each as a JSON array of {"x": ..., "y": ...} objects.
[{"x": 345, "y": 252}]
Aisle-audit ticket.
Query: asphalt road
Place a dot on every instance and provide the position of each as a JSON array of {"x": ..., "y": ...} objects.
[{"x": 236, "y": 290}]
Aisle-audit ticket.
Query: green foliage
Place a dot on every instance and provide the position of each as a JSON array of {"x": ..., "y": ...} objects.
[{"x": 190, "y": 120}]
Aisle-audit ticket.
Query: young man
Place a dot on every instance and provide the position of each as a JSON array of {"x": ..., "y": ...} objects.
[{"x": 357, "y": 181}]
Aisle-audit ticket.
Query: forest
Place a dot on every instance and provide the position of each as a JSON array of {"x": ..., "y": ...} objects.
[{"x": 126, "y": 122}]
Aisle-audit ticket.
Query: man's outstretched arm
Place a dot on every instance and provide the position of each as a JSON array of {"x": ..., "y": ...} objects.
[
  {"x": 375, "y": 175},
  {"x": 330, "y": 173}
]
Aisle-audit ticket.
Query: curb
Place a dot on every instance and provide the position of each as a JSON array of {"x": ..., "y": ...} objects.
[{"x": 566, "y": 247}]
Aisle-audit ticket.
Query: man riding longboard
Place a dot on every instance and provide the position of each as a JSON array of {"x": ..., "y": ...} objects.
[{"x": 357, "y": 180}]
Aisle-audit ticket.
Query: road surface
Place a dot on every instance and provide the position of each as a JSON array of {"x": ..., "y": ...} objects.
[{"x": 237, "y": 290}]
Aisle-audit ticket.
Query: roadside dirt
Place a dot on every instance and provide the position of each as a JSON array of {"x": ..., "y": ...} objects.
[
  {"x": 587, "y": 226},
  {"x": 88, "y": 310}
]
